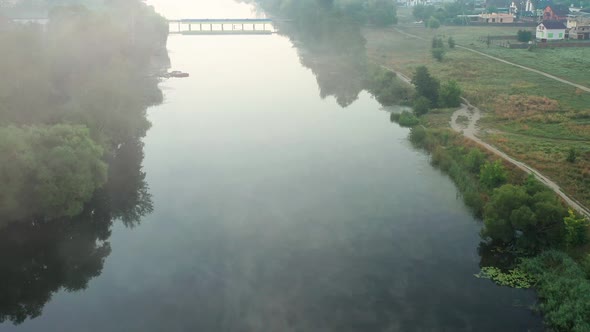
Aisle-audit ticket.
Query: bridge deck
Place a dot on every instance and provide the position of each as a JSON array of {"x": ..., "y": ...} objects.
[{"x": 222, "y": 21}]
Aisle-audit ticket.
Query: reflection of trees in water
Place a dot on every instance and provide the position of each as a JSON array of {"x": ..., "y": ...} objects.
[
  {"x": 40, "y": 258},
  {"x": 333, "y": 48}
]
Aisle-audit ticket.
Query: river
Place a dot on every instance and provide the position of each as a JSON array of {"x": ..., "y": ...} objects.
[{"x": 278, "y": 210}]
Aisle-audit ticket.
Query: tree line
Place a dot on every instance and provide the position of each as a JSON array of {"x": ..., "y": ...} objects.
[{"x": 71, "y": 95}]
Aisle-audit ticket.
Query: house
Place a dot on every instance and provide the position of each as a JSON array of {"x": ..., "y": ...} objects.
[
  {"x": 496, "y": 18},
  {"x": 578, "y": 20},
  {"x": 550, "y": 30},
  {"x": 581, "y": 32},
  {"x": 555, "y": 13}
]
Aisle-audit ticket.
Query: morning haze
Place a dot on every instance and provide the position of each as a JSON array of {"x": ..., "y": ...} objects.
[{"x": 263, "y": 176}]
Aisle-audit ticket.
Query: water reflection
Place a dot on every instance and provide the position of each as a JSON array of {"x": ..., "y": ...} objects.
[
  {"x": 40, "y": 258},
  {"x": 334, "y": 49}
]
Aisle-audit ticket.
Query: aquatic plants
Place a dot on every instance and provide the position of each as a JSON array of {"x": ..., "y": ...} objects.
[{"x": 515, "y": 278}]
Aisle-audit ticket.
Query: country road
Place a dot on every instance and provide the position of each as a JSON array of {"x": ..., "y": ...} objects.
[
  {"x": 561, "y": 80},
  {"x": 470, "y": 131}
]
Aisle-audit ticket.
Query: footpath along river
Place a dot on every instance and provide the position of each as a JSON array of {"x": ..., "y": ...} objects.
[{"x": 278, "y": 210}]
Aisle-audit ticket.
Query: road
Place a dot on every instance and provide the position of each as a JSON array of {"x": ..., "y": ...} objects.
[
  {"x": 581, "y": 87},
  {"x": 470, "y": 131}
]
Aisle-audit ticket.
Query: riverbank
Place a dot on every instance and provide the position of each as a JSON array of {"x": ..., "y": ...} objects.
[
  {"x": 465, "y": 157},
  {"x": 532, "y": 118}
]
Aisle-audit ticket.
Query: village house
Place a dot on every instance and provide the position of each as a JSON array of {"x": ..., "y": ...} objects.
[
  {"x": 578, "y": 20},
  {"x": 496, "y": 18},
  {"x": 555, "y": 13},
  {"x": 581, "y": 32},
  {"x": 550, "y": 30}
]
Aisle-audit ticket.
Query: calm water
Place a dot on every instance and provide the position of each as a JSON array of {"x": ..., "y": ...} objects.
[{"x": 276, "y": 210}]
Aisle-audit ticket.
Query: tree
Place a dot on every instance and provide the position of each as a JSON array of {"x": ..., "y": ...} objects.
[
  {"x": 499, "y": 210},
  {"x": 433, "y": 23},
  {"x": 381, "y": 12},
  {"x": 493, "y": 174},
  {"x": 438, "y": 53},
  {"x": 50, "y": 171},
  {"x": 423, "y": 12},
  {"x": 451, "y": 42},
  {"x": 426, "y": 85},
  {"x": 437, "y": 42},
  {"x": 576, "y": 230},
  {"x": 524, "y": 36},
  {"x": 474, "y": 160},
  {"x": 450, "y": 94},
  {"x": 421, "y": 105}
]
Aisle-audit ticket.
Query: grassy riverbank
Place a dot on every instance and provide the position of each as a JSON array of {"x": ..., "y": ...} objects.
[{"x": 531, "y": 117}]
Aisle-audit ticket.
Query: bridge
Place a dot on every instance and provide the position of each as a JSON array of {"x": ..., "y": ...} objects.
[{"x": 207, "y": 26}]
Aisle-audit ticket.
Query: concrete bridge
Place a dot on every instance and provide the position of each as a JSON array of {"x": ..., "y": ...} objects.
[{"x": 246, "y": 26}]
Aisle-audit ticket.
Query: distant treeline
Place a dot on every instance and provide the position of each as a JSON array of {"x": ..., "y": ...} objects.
[{"x": 377, "y": 12}]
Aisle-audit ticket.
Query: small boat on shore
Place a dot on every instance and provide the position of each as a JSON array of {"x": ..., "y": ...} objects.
[{"x": 176, "y": 74}]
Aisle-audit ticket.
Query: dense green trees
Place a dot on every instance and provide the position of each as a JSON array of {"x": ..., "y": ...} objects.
[
  {"x": 50, "y": 171},
  {"x": 426, "y": 85},
  {"x": 450, "y": 94},
  {"x": 70, "y": 95},
  {"x": 73, "y": 99},
  {"x": 564, "y": 289}
]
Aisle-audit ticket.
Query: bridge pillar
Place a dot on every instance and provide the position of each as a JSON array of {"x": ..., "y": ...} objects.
[
  {"x": 190, "y": 27},
  {"x": 200, "y": 26}
]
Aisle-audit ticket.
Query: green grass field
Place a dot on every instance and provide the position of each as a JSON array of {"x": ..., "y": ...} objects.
[{"x": 538, "y": 136}]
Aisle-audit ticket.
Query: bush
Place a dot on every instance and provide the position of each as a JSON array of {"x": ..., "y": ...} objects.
[
  {"x": 474, "y": 160},
  {"x": 530, "y": 221},
  {"x": 426, "y": 85},
  {"x": 493, "y": 175},
  {"x": 386, "y": 87},
  {"x": 437, "y": 42},
  {"x": 524, "y": 36},
  {"x": 450, "y": 94},
  {"x": 572, "y": 155},
  {"x": 451, "y": 42},
  {"x": 421, "y": 105},
  {"x": 438, "y": 53},
  {"x": 433, "y": 23},
  {"x": 405, "y": 119},
  {"x": 576, "y": 230},
  {"x": 563, "y": 289}
]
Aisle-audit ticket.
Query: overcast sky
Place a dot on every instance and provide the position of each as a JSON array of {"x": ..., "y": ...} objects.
[{"x": 173, "y": 9}]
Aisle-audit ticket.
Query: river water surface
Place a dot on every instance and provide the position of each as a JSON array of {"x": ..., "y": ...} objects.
[{"x": 277, "y": 210}]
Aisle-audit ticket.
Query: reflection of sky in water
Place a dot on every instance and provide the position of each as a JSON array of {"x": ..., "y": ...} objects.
[
  {"x": 276, "y": 210},
  {"x": 203, "y": 9}
]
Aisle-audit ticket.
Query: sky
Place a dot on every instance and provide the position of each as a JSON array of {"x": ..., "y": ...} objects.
[{"x": 179, "y": 9}]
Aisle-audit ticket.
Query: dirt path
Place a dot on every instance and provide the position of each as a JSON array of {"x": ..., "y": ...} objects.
[
  {"x": 470, "y": 131},
  {"x": 581, "y": 87}
]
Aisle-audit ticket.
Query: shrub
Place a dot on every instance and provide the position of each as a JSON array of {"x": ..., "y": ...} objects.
[
  {"x": 572, "y": 155},
  {"x": 524, "y": 36},
  {"x": 438, "y": 53},
  {"x": 421, "y": 105},
  {"x": 450, "y": 94},
  {"x": 493, "y": 174},
  {"x": 451, "y": 42},
  {"x": 563, "y": 289},
  {"x": 433, "y": 23},
  {"x": 405, "y": 119},
  {"x": 576, "y": 230}
]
